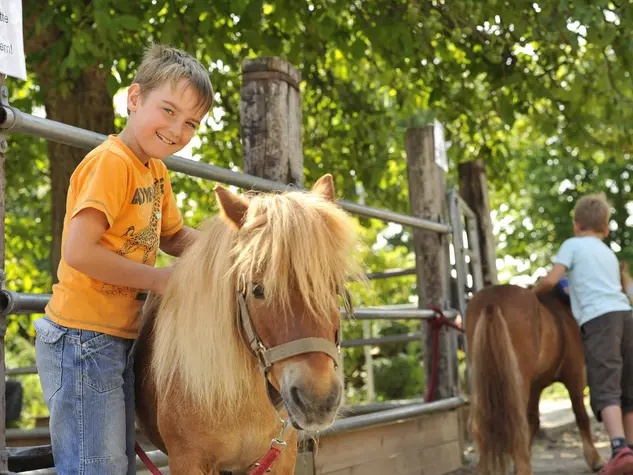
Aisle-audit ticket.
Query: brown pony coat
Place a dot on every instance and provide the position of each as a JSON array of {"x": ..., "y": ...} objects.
[{"x": 518, "y": 344}]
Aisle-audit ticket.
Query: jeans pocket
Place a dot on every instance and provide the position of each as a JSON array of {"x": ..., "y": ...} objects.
[
  {"x": 103, "y": 359},
  {"x": 49, "y": 350}
]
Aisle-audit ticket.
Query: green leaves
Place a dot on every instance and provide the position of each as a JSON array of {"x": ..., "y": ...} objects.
[
  {"x": 113, "y": 85},
  {"x": 129, "y": 22},
  {"x": 542, "y": 93},
  {"x": 506, "y": 111}
]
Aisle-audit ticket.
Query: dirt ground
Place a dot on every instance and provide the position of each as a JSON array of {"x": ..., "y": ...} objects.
[{"x": 554, "y": 453}]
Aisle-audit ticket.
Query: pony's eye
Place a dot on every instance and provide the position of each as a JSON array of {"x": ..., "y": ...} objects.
[{"x": 258, "y": 291}]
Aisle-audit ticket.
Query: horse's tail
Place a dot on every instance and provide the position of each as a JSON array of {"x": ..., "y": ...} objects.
[{"x": 498, "y": 411}]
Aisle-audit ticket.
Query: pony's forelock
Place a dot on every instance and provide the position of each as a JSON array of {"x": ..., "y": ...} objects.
[{"x": 297, "y": 244}]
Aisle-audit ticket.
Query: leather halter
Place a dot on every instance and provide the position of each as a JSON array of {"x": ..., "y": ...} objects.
[{"x": 267, "y": 357}]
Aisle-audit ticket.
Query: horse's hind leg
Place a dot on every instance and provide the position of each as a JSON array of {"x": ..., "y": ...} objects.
[
  {"x": 574, "y": 381},
  {"x": 522, "y": 452},
  {"x": 533, "y": 413}
]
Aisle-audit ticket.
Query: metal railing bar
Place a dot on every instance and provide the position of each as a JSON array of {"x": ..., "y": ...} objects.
[
  {"x": 385, "y": 340},
  {"x": 393, "y": 415},
  {"x": 156, "y": 456},
  {"x": 12, "y": 302},
  {"x": 466, "y": 209},
  {"x": 16, "y": 121},
  {"x": 399, "y": 314},
  {"x": 390, "y": 273},
  {"x": 370, "y": 408},
  {"x": 21, "y": 371}
]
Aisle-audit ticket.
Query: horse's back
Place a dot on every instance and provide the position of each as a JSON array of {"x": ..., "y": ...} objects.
[
  {"x": 536, "y": 330},
  {"x": 145, "y": 389},
  {"x": 519, "y": 307},
  {"x": 522, "y": 312},
  {"x": 573, "y": 352}
]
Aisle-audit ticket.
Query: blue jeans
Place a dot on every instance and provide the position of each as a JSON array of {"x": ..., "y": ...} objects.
[{"x": 88, "y": 383}]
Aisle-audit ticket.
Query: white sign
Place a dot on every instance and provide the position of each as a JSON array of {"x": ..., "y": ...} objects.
[
  {"x": 440, "y": 145},
  {"x": 12, "y": 60}
]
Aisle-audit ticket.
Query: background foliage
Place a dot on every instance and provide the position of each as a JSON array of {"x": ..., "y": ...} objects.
[{"x": 540, "y": 91}]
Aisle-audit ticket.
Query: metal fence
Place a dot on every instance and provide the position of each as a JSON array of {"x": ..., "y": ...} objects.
[{"x": 466, "y": 260}]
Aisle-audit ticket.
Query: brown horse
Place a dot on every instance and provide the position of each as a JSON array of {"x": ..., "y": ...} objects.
[
  {"x": 518, "y": 344},
  {"x": 246, "y": 335}
]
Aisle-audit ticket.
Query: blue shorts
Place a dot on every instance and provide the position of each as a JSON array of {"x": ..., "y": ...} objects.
[{"x": 87, "y": 380}]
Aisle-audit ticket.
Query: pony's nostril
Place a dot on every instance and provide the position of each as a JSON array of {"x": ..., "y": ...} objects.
[
  {"x": 297, "y": 398},
  {"x": 334, "y": 399}
]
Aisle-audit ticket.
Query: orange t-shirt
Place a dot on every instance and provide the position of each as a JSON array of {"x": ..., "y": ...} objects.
[{"x": 139, "y": 205}]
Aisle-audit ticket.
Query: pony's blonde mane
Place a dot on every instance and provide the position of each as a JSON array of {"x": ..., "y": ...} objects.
[{"x": 294, "y": 243}]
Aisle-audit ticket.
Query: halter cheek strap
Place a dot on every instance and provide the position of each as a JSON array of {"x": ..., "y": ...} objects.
[{"x": 269, "y": 356}]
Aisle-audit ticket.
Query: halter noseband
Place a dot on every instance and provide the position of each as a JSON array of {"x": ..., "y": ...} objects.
[{"x": 267, "y": 357}]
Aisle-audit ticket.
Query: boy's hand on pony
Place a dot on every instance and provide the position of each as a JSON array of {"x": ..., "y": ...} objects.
[
  {"x": 548, "y": 282},
  {"x": 162, "y": 275}
]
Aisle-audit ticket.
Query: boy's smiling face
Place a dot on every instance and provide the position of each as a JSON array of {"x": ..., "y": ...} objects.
[{"x": 163, "y": 121}]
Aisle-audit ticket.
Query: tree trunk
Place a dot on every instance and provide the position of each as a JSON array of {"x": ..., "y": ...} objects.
[
  {"x": 90, "y": 108},
  {"x": 473, "y": 188}
]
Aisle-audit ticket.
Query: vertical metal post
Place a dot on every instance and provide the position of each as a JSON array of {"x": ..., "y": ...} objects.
[
  {"x": 458, "y": 248},
  {"x": 340, "y": 369},
  {"x": 367, "y": 328},
  {"x": 475, "y": 258},
  {"x": 369, "y": 362},
  {"x": 473, "y": 189},
  {"x": 4, "y": 453},
  {"x": 460, "y": 266}
]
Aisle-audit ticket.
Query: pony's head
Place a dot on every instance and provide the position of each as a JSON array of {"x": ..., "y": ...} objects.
[{"x": 291, "y": 256}]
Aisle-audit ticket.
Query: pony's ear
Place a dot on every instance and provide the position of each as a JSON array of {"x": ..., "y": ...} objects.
[
  {"x": 324, "y": 186},
  {"x": 233, "y": 207}
]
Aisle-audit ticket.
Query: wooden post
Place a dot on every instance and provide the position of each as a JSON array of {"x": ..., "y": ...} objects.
[
  {"x": 473, "y": 188},
  {"x": 270, "y": 123},
  {"x": 427, "y": 194},
  {"x": 271, "y": 120}
]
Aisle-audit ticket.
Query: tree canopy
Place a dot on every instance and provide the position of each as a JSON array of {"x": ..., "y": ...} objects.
[{"x": 540, "y": 91}]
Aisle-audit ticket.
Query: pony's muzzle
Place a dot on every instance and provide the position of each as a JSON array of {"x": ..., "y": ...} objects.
[
  {"x": 312, "y": 398},
  {"x": 309, "y": 409},
  {"x": 305, "y": 403}
]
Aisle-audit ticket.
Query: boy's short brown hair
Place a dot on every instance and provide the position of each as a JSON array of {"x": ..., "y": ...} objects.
[
  {"x": 593, "y": 212},
  {"x": 163, "y": 64}
]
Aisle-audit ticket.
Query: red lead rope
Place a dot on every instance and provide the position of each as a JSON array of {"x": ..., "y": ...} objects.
[
  {"x": 262, "y": 467},
  {"x": 266, "y": 461},
  {"x": 145, "y": 459},
  {"x": 436, "y": 324}
]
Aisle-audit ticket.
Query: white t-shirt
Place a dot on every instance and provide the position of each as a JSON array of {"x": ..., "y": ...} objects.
[{"x": 593, "y": 273}]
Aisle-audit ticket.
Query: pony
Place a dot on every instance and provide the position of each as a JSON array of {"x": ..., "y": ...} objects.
[
  {"x": 519, "y": 343},
  {"x": 240, "y": 352}
]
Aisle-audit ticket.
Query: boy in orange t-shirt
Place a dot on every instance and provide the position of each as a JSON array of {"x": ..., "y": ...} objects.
[{"x": 120, "y": 211}]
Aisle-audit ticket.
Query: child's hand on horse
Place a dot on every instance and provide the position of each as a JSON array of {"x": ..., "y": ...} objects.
[{"x": 162, "y": 275}]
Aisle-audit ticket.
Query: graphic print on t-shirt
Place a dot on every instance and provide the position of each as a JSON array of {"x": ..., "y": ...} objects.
[{"x": 148, "y": 237}]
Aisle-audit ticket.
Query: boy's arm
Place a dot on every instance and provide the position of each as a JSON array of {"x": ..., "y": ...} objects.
[
  {"x": 83, "y": 252},
  {"x": 176, "y": 243},
  {"x": 550, "y": 280}
]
